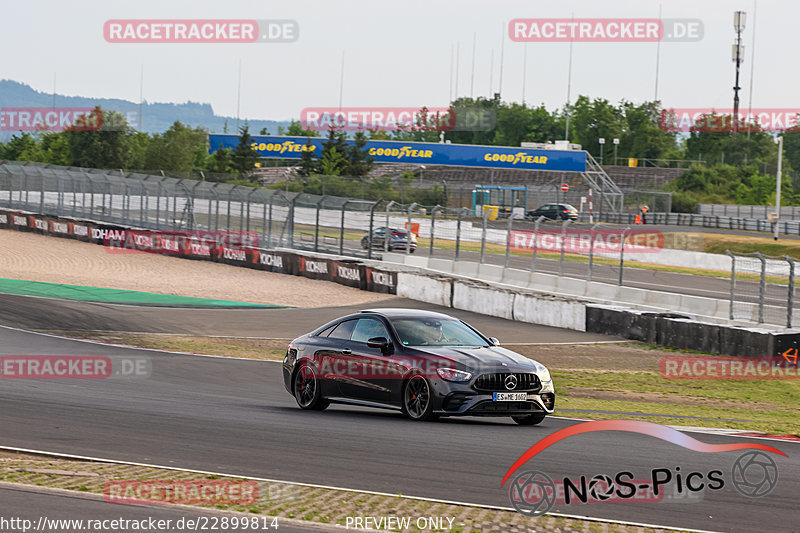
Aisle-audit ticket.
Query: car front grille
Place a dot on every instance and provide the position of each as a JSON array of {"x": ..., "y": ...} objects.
[
  {"x": 489, "y": 407},
  {"x": 496, "y": 382}
]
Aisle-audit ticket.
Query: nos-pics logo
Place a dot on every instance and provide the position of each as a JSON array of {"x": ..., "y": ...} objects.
[{"x": 754, "y": 474}]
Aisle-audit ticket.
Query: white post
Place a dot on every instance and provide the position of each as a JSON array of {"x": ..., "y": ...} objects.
[
  {"x": 591, "y": 213},
  {"x": 779, "y": 141}
]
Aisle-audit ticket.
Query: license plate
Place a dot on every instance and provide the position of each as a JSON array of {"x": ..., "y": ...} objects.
[{"x": 510, "y": 396}]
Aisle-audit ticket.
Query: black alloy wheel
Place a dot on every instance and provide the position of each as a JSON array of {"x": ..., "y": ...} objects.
[
  {"x": 417, "y": 401},
  {"x": 307, "y": 389}
]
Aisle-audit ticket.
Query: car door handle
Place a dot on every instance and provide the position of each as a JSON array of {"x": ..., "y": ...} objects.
[{"x": 347, "y": 351}]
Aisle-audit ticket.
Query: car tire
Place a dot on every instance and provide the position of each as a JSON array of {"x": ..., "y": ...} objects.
[
  {"x": 307, "y": 391},
  {"x": 529, "y": 420},
  {"x": 418, "y": 399}
]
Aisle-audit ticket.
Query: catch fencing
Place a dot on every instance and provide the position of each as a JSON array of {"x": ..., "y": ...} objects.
[
  {"x": 763, "y": 286},
  {"x": 357, "y": 228},
  {"x": 343, "y": 226}
]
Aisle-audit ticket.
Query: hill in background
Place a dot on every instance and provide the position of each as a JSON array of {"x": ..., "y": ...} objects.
[{"x": 156, "y": 117}]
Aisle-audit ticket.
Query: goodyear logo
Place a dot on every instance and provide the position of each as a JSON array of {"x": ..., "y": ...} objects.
[
  {"x": 519, "y": 157},
  {"x": 286, "y": 146},
  {"x": 399, "y": 153}
]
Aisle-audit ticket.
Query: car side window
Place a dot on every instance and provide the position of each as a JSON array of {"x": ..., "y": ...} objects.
[
  {"x": 344, "y": 330},
  {"x": 327, "y": 331},
  {"x": 368, "y": 328}
]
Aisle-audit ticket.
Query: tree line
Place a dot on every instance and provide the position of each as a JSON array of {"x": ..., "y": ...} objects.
[{"x": 737, "y": 167}]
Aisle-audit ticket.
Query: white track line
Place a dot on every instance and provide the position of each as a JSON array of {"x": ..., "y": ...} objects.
[{"x": 345, "y": 489}]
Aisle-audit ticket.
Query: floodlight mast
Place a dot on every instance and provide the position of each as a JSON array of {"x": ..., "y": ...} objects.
[{"x": 739, "y": 18}]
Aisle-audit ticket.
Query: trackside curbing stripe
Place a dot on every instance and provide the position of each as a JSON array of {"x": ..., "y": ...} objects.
[
  {"x": 38, "y": 489},
  {"x": 328, "y": 487}
]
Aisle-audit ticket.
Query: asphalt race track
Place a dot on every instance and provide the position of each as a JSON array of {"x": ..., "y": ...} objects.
[
  {"x": 234, "y": 416},
  {"x": 48, "y": 314}
]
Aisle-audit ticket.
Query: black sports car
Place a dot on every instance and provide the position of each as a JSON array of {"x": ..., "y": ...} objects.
[
  {"x": 398, "y": 238},
  {"x": 424, "y": 363}
]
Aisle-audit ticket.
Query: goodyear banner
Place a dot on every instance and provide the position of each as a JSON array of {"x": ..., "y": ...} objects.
[{"x": 464, "y": 155}]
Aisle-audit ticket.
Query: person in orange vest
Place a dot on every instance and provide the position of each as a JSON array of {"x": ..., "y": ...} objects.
[{"x": 644, "y": 214}]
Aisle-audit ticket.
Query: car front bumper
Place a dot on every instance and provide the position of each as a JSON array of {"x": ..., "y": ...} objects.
[{"x": 453, "y": 399}]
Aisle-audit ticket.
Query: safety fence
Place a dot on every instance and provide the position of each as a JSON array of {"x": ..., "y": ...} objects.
[
  {"x": 767, "y": 282},
  {"x": 748, "y": 211}
]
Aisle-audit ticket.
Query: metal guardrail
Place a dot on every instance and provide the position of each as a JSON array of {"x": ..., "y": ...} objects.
[{"x": 785, "y": 227}]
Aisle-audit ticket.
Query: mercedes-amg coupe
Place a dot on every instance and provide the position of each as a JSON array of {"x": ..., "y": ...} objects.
[{"x": 423, "y": 363}]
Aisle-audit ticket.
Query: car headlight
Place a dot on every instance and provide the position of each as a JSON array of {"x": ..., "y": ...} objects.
[
  {"x": 544, "y": 374},
  {"x": 451, "y": 374}
]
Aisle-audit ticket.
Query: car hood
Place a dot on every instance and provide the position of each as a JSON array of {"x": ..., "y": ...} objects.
[{"x": 487, "y": 359}]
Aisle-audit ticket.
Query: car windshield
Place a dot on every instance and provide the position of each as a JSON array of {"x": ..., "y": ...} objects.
[{"x": 436, "y": 332}]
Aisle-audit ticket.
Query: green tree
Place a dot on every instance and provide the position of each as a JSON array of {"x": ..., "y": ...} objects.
[
  {"x": 295, "y": 129},
  {"x": 359, "y": 162},
  {"x": 220, "y": 161},
  {"x": 179, "y": 148},
  {"x": 591, "y": 120},
  {"x": 106, "y": 147},
  {"x": 17, "y": 146},
  {"x": 309, "y": 162},
  {"x": 333, "y": 160},
  {"x": 243, "y": 157},
  {"x": 517, "y": 123}
]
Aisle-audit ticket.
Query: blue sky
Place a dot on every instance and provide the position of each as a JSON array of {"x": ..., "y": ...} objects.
[{"x": 396, "y": 54}]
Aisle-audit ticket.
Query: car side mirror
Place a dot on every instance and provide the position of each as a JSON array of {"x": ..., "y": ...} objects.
[
  {"x": 382, "y": 343},
  {"x": 494, "y": 341}
]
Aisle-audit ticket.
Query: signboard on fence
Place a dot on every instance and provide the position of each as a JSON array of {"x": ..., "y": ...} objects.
[{"x": 464, "y": 155}]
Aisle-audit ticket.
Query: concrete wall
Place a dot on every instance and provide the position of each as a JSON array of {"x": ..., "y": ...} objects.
[
  {"x": 430, "y": 289},
  {"x": 648, "y": 300},
  {"x": 685, "y": 333}
]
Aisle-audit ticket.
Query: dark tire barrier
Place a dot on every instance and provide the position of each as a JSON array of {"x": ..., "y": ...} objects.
[{"x": 682, "y": 332}]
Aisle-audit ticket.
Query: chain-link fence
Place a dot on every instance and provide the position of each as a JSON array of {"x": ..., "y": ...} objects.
[{"x": 762, "y": 288}]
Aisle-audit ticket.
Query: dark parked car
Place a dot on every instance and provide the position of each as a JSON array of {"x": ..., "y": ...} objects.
[
  {"x": 397, "y": 239},
  {"x": 423, "y": 363},
  {"x": 553, "y": 212}
]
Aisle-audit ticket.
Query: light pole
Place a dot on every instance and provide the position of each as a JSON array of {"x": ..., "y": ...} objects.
[
  {"x": 739, "y": 18},
  {"x": 616, "y": 143},
  {"x": 602, "y": 142},
  {"x": 779, "y": 142}
]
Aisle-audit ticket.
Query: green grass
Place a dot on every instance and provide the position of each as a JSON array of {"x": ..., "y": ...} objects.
[{"x": 763, "y": 405}]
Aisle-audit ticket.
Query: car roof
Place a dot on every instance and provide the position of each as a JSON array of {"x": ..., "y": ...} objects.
[{"x": 394, "y": 312}]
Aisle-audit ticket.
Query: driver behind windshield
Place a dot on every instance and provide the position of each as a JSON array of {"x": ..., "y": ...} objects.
[{"x": 431, "y": 332}]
